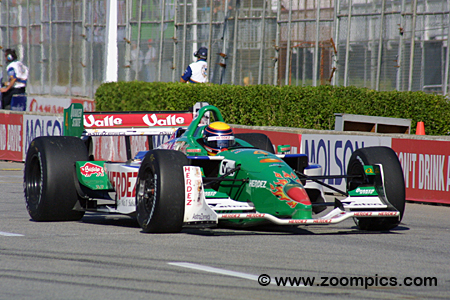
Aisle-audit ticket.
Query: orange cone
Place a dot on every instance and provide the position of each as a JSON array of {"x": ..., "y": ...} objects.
[{"x": 420, "y": 130}]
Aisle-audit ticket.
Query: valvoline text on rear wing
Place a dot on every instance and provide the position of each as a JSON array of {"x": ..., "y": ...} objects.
[{"x": 77, "y": 123}]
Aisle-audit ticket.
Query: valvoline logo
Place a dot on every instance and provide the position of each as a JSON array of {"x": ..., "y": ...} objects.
[{"x": 89, "y": 169}]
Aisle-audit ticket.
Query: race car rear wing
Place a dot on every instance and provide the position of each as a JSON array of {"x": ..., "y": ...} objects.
[{"x": 126, "y": 123}]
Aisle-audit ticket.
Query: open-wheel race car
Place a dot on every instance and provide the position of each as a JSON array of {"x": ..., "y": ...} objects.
[{"x": 202, "y": 176}]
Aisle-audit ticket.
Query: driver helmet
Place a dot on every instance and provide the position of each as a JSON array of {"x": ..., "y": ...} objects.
[{"x": 217, "y": 137}]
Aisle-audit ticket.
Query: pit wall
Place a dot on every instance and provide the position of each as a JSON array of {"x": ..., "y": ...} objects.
[{"x": 424, "y": 159}]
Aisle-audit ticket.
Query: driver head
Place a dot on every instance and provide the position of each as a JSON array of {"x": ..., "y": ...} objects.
[{"x": 217, "y": 137}]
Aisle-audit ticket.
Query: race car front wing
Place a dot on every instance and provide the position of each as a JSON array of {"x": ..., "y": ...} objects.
[{"x": 202, "y": 211}]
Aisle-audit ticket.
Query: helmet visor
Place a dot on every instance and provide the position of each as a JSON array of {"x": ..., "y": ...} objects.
[{"x": 221, "y": 142}]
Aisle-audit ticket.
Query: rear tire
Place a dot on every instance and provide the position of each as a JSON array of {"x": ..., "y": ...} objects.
[
  {"x": 257, "y": 140},
  {"x": 49, "y": 178},
  {"x": 160, "y": 191},
  {"x": 393, "y": 182}
]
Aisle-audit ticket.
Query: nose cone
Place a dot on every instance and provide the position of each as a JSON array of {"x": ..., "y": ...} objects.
[{"x": 299, "y": 195}]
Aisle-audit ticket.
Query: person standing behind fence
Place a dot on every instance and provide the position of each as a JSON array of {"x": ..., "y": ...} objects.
[
  {"x": 150, "y": 58},
  {"x": 197, "y": 71},
  {"x": 17, "y": 78},
  {"x": 137, "y": 59}
]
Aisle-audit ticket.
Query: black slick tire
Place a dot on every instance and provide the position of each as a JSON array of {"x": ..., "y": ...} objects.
[
  {"x": 393, "y": 181},
  {"x": 258, "y": 140},
  {"x": 160, "y": 191},
  {"x": 49, "y": 178}
]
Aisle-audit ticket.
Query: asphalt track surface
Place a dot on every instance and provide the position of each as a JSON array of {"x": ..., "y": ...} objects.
[{"x": 108, "y": 257}]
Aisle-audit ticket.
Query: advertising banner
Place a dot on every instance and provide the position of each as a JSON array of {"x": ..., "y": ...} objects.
[
  {"x": 35, "y": 126},
  {"x": 56, "y": 105},
  {"x": 113, "y": 148},
  {"x": 426, "y": 169},
  {"x": 11, "y": 141},
  {"x": 333, "y": 152}
]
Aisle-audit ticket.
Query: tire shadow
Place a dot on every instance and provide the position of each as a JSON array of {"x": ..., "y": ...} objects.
[
  {"x": 110, "y": 220},
  {"x": 287, "y": 230}
]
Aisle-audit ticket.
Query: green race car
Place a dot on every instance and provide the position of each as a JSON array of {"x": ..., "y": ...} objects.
[{"x": 191, "y": 180}]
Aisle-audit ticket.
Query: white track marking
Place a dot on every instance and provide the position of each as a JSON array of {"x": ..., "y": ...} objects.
[
  {"x": 223, "y": 272},
  {"x": 214, "y": 270},
  {"x": 10, "y": 234}
]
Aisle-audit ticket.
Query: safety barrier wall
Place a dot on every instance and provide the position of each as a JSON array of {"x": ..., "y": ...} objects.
[
  {"x": 424, "y": 159},
  {"x": 44, "y": 117}
]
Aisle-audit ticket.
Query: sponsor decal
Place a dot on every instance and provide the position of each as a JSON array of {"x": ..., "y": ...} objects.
[
  {"x": 362, "y": 214},
  {"x": 163, "y": 120},
  {"x": 255, "y": 216},
  {"x": 257, "y": 183},
  {"x": 325, "y": 221},
  {"x": 201, "y": 217},
  {"x": 366, "y": 191},
  {"x": 369, "y": 170},
  {"x": 210, "y": 193},
  {"x": 259, "y": 152},
  {"x": 221, "y": 138},
  {"x": 108, "y": 121},
  {"x": 269, "y": 160},
  {"x": 89, "y": 169},
  {"x": 284, "y": 148},
  {"x": 231, "y": 216},
  {"x": 297, "y": 221},
  {"x": 106, "y": 133},
  {"x": 388, "y": 213},
  {"x": 367, "y": 204},
  {"x": 114, "y": 120},
  {"x": 124, "y": 183},
  {"x": 193, "y": 185}
]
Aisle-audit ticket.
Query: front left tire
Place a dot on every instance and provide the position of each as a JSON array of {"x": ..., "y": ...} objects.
[{"x": 49, "y": 178}]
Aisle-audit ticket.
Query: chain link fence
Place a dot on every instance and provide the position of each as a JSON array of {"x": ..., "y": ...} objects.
[{"x": 378, "y": 44}]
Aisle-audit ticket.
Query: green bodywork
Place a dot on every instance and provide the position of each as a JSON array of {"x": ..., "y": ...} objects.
[
  {"x": 263, "y": 179},
  {"x": 73, "y": 120},
  {"x": 92, "y": 175}
]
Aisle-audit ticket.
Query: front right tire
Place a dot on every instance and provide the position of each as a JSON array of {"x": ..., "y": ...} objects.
[
  {"x": 160, "y": 195},
  {"x": 257, "y": 140},
  {"x": 393, "y": 182}
]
